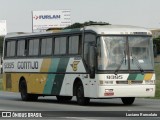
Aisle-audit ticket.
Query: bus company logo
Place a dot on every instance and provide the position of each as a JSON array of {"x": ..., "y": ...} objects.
[
  {"x": 74, "y": 65},
  {"x": 114, "y": 77},
  {"x": 36, "y": 17}
]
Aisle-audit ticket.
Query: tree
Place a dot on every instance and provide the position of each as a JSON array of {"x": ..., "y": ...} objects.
[
  {"x": 156, "y": 42},
  {"x": 1, "y": 44},
  {"x": 80, "y": 25}
]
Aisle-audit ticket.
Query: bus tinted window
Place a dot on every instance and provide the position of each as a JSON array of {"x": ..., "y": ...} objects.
[
  {"x": 21, "y": 48},
  {"x": 46, "y": 46},
  {"x": 89, "y": 40},
  {"x": 74, "y": 45},
  {"x": 11, "y": 48},
  {"x": 33, "y": 47},
  {"x": 60, "y": 45}
]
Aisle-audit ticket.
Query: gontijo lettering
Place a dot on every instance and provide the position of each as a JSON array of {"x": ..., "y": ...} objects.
[{"x": 27, "y": 65}]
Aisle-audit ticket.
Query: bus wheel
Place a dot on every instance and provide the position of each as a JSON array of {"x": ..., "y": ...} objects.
[
  {"x": 63, "y": 98},
  {"x": 81, "y": 100},
  {"x": 24, "y": 95},
  {"x": 128, "y": 100}
]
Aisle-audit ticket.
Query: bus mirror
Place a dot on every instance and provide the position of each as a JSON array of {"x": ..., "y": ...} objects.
[
  {"x": 1, "y": 67},
  {"x": 92, "y": 61}
]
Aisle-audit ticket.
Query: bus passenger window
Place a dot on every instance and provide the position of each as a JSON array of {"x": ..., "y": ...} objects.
[
  {"x": 33, "y": 47},
  {"x": 74, "y": 45},
  {"x": 46, "y": 46},
  {"x": 11, "y": 48},
  {"x": 21, "y": 48},
  {"x": 60, "y": 45}
]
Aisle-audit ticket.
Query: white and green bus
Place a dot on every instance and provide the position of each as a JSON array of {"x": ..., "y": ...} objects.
[{"x": 94, "y": 62}]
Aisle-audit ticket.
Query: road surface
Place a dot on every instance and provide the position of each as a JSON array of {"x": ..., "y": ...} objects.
[{"x": 97, "y": 107}]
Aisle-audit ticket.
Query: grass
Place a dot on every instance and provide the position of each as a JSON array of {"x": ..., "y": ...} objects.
[
  {"x": 157, "y": 71},
  {"x": 0, "y": 84}
]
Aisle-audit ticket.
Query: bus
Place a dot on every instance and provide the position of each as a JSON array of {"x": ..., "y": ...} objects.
[{"x": 94, "y": 62}]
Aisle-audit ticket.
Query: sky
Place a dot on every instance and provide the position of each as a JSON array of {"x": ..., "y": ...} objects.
[{"x": 144, "y": 13}]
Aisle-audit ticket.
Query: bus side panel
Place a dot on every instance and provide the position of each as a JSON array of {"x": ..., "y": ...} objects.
[
  {"x": 11, "y": 82},
  {"x": 48, "y": 79},
  {"x": 73, "y": 71}
]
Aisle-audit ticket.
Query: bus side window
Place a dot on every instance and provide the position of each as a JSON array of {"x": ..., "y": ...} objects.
[
  {"x": 60, "y": 46},
  {"x": 89, "y": 39},
  {"x": 46, "y": 46},
  {"x": 33, "y": 47},
  {"x": 74, "y": 45},
  {"x": 21, "y": 48},
  {"x": 11, "y": 45}
]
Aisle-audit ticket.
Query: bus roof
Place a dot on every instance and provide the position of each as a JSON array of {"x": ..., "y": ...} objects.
[
  {"x": 99, "y": 29},
  {"x": 118, "y": 29}
]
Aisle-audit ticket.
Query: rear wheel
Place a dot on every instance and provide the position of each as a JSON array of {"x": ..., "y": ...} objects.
[
  {"x": 23, "y": 91},
  {"x": 128, "y": 100},
  {"x": 81, "y": 100},
  {"x": 63, "y": 98}
]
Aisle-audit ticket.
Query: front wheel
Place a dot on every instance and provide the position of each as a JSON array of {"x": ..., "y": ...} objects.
[
  {"x": 24, "y": 95},
  {"x": 81, "y": 100},
  {"x": 128, "y": 100}
]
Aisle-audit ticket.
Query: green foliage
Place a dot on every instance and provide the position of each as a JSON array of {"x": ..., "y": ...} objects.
[
  {"x": 1, "y": 44},
  {"x": 0, "y": 84},
  {"x": 157, "y": 71},
  {"x": 80, "y": 25},
  {"x": 156, "y": 41}
]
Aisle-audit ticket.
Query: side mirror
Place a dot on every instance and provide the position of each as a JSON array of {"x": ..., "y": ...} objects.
[
  {"x": 92, "y": 58},
  {"x": 1, "y": 67}
]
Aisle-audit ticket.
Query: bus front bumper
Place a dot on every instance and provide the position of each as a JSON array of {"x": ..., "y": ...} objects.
[{"x": 126, "y": 91}]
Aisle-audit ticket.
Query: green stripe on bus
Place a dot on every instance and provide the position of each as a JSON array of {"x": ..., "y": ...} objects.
[
  {"x": 140, "y": 77},
  {"x": 51, "y": 77},
  {"x": 135, "y": 77},
  {"x": 132, "y": 76},
  {"x": 60, "y": 77}
]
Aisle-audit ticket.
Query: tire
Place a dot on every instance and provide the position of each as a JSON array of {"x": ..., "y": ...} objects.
[
  {"x": 81, "y": 100},
  {"x": 128, "y": 100},
  {"x": 23, "y": 91},
  {"x": 63, "y": 98}
]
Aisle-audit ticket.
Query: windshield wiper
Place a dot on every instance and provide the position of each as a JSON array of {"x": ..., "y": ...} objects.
[
  {"x": 118, "y": 68},
  {"x": 138, "y": 65}
]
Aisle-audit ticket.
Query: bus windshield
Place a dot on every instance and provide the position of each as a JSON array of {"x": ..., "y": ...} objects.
[
  {"x": 141, "y": 52},
  {"x": 113, "y": 53}
]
